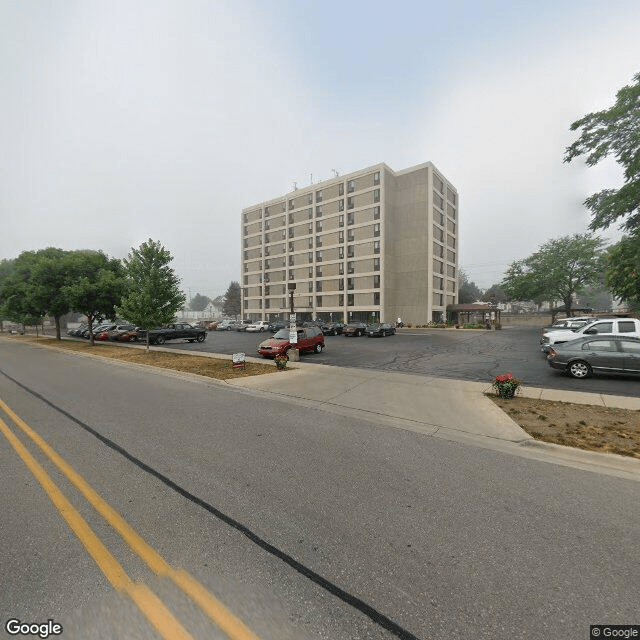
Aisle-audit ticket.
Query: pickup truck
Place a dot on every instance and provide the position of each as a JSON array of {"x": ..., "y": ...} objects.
[
  {"x": 606, "y": 326},
  {"x": 174, "y": 331}
]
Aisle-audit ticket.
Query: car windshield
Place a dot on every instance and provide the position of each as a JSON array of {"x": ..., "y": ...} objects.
[{"x": 283, "y": 334}]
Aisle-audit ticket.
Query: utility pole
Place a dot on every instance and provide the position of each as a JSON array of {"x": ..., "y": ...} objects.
[{"x": 294, "y": 354}]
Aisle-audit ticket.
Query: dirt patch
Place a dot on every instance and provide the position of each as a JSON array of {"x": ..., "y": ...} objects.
[
  {"x": 200, "y": 365},
  {"x": 585, "y": 426}
]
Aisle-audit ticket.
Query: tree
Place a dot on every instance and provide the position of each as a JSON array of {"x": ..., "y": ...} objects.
[
  {"x": 495, "y": 294},
  {"x": 199, "y": 303},
  {"x": 96, "y": 285},
  {"x": 559, "y": 269},
  {"x": 467, "y": 291},
  {"x": 17, "y": 298},
  {"x": 153, "y": 293},
  {"x": 614, "y": 131},
  {"x": 623, "y": 270},
  {"x": 232, "y": 304}
]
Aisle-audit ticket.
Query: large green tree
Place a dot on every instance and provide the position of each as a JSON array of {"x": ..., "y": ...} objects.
[
  {"x": 232, "y": 300},
  {"x": 559, "y": 269},
  {"x": 623, "y": 270},
  {"x": 613, "y": 132},
  {"x": 495, "y": 294},
  {"x": 17, "y": 298},
  {"x": 96, "y": 285},
  {"x": 153, "y": 292},
  {"x": 468, "y": 292},
  {"x": 198, "y": 302}
]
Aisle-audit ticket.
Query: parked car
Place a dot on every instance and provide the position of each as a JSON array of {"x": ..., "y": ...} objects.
[
  {"x": 309, "y": 339},
  {"x": 103, "y": 333},
  {"x": 97, "y": 328},
  {"x": 276, "y": 325},
  {"x": 241, "y": 325},
  {"x": 569, "y": 324},
  {"x": 603, "y": 326},
  {"x": 115, "y": 334},
  {"x": 380, "y": 330},
  {"x": 211, "y": 326},
  {"x": 77, "y": 332},
  {"x": 128, "y": 336},
  {"x": 597, "y": 354},
  {"x": 354, "y": 329},
  {"x": 261, "y": 326},
  {"x": 174, "y": 331},
  {"x": 226, "y": 325},
  {"x": 332, "y": 328}
]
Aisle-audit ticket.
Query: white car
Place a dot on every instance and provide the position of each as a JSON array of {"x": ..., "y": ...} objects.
[{"x": 259, "y": 326}]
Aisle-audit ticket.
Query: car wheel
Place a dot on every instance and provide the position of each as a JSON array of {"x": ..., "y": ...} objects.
[
  {"x": 579, "y": 369},
  {"x": 200, "y": 337},
  {"x": 159, "y": 340},
  {"x": 318, "y": 348}
]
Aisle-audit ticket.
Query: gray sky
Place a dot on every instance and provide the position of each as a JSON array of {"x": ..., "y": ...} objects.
[{"x": 123, "y": 121}]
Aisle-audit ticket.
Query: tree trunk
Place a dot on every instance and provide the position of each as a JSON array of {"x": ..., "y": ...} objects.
[
  {"x": 567, "y": 305},
  {"x": 90, "y": 321},
  {"x": 147, "y": 339},
  {"x": 57, "y": 319}
]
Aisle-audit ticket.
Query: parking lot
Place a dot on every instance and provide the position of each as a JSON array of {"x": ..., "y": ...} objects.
[{"x": 457, "y": 354}]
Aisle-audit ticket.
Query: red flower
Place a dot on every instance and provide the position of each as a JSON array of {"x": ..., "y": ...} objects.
[{"x": 505, "y": 377}]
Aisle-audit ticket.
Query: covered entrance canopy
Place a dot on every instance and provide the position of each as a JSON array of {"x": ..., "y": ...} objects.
[{"x": 476, "y": 312}]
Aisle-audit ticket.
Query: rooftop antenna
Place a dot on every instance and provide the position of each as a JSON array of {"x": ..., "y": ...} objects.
[
  {"x": 336, "y": 173},
  {"x": 311, "y": 178},
  {"x": 295, "y": 186}
]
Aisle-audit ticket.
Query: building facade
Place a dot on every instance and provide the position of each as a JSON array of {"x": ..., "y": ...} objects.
[{"x": 373, "y": 245}]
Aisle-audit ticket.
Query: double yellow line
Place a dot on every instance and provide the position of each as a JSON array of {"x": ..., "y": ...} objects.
[{"x": 150, "y": 605}]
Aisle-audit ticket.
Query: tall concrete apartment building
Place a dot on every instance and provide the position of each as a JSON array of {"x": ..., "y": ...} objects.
[{"x": 376, "y": 244}]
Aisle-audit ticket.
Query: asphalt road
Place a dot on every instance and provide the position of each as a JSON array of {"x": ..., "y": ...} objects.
[
  {"x": 302, "y": 524},
  {"x": 463, "y": 355}
]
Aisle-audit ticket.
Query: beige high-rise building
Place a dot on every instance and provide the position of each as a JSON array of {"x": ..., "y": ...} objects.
[{"x": 375, "y": 244}]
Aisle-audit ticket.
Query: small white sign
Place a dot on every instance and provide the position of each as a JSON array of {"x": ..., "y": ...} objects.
[
  {"x": 292, "y": 319},
  {"x": 237, "y": 358},
  {"x": 293, "y": 337}
]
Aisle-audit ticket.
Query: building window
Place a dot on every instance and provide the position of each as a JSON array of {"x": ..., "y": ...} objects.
[
  {"x": 246, "y": 267},
  {"x": 350, "y": 299},
  {"x": 318, "y": 272},
  {"x": 318, "y": 301},
  {"x": 376, "y": 246},
  {"x": 310, "y": 256},
  {"x": 350, "y": 218},
  {"x": 310, "y": 286},
  {"x": 246, "y": 218},
  {"x": 376, "y": 195},
  {"x": 318, "y": 225},
  {"x": 266, "y": 211},
  {"x": 341, "y": 285},
  {"x": 351, "y": 186},
  {"x": 310, "y": 301},
  {"x": 351, "y": 202},
  {"x": 284, "y": 234},
  {"x": 438, "y": 250},
  {"x": 246, "y": 280},
  {"x": 340, "y": 252},
  {"x": 340, "y": 221},
  {"x": 284, "y": 207},
  {"x": 350, "y": 283},
  {"x": 290, "y": 204},
  {"x": 310, "y": 243},
  {"x": 438, "y": 200},
  {"x": 290, "y": 274},
  {"x": 267, "y": 264},
  {"x": 291, "y": 246},
  {"x": 318, "y": 256},
  {"x": 341, "y": 189},
  {"x": 376, "y": 230},
  {"x": 376, "y": 297},
  {"x": 350, "y": 251},
  {"x": 291, "y": 261},
  {"x": 319, "y": 285},
  {"x": 245, "y": 292},
  {"x": 310, "y": 198},
  {"x": 376, "y": 213},
  {"x": 351, "y": 236},
  {"x": 318, "y": 241},
  {"x": 266, "y": 250},
  {"x": 376, "y": 281},
  {"x": 438, "y": 184},
  {"x": 267, "y": 304},
  {"x": 267, "y": 238},
  {"x": 310, "y": 230},
  {"x": 291, "y": 233},
  {"x": 341, "y": 268},
  {"x": 376, "y": 264},
  {"x": 267, "y": 288},
  {"x": 319, "y": 195},
  {"x": 451, "y": 197},
  {"x": 376, "y": 177},
  {"x": 350, "y": 267},
  {"x": 319, "y": 210},
  {"x": 341, "y": 205},
  {"x": 341, "y": 300},
  {"x": 309, "y": 213},
  {"x": 283, "y": 304},
  {"x": 310, "y": 272},
  {"x": 291, "y": 218}
]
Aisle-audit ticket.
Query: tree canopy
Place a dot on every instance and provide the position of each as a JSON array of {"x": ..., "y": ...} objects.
[
  {"x": 199, "y": 302},
  {"x": 468, "y": 292},
  {"x": 495, "y": 294},
  {"x": 95, "y": 286},
  {"x": 232, "y": 301},
  {"x": 614, "y": 131},
  {"x": 559, "y": 269},
  {"x": 153, "y": 294},
  {"x": 623, "y": 270}
]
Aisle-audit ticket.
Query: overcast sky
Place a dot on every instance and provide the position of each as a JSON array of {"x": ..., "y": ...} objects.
[{"x": 123, "y": 121}]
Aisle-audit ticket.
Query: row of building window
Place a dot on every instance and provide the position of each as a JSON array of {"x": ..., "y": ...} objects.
[
  {"x": 318, "y": 271},
  {"x": 350, "y": 299}
]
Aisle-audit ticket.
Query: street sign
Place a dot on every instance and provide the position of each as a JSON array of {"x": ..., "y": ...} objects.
[{"x": 238, "y": 360}]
